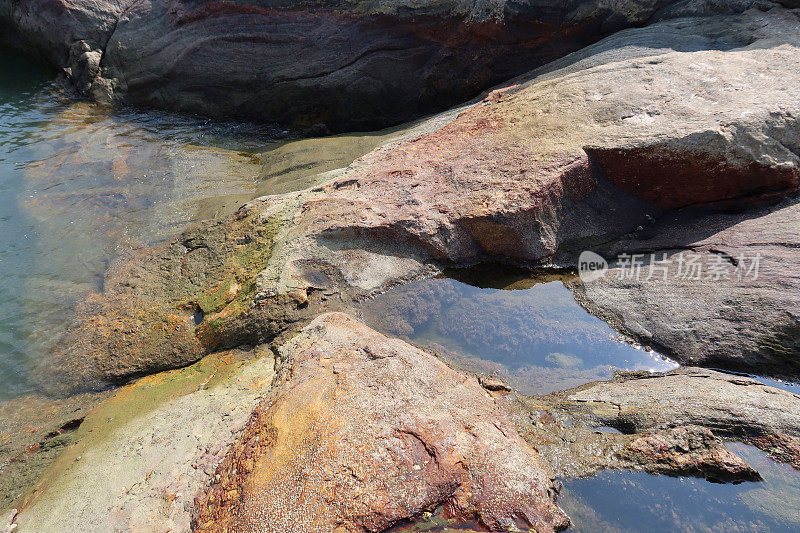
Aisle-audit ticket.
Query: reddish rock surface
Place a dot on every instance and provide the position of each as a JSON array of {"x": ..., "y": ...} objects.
[
  {"x": 733, "y": 407},
  {"x": 510, "y": 179},
  {"x": 781, "y": 447},
  {"x": 368, "y": 431},
  {"x": 688, "y": 450}
]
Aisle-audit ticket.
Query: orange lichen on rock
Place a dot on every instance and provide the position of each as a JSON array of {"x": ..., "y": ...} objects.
[{"x": 368, "y": 432}]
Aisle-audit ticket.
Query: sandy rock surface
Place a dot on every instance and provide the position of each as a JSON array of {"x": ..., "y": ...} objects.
[{"x": 143, "y": 454}]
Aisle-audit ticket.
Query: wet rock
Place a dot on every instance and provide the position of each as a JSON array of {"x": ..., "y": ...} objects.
[
  {"x": 493, "y": 383},
  {"x": 34, "y": 430},
  {"x": 344, "y": 65},
  {"x": 781, "y": 447},
  {"x": 731, "y": 406},
  {"x": 687, "y": 450},
  {"x": 367, "y": 431},
  {"x": 167, "y": 306},
  {"x": 141, "y": 455},
  {"x": 573, "y": 450},
  {"x": 725, "y": 293}
]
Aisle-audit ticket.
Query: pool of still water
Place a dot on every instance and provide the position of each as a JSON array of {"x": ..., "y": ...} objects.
[
  {"x": 79, "y": 186},
  {"x": 526, "y": 328}
]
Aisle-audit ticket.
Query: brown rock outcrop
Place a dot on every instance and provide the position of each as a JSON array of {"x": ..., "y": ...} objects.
[
  {"x": 512, "y": 179},
  {"x": 733, "y": 407},
  {"x": 367, "y": 431}
]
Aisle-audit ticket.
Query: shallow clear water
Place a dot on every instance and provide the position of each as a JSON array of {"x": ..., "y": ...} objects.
[
  {"x": 80, "y": 185},
  {"x": 528, "y": 330},
  {"x": 635, "y": 501}
]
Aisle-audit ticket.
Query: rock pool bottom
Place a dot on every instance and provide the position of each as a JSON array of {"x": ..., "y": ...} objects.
[
  {"x": 81, "y": 184},
  {"x": 525, "y": 328}
]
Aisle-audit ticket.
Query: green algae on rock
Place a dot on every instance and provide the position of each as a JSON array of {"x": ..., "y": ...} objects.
[{"x": 153, "y": 321}]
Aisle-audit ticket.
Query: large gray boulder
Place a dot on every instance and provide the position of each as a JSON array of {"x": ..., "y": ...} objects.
[
  {"x": 344, "y": 64},
  {"x": 725, "y": 289}
]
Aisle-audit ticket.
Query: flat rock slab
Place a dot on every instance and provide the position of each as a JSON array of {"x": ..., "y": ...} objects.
[
  {"x": 368, "y": 431},
  {"x": 731, "y": 406}
]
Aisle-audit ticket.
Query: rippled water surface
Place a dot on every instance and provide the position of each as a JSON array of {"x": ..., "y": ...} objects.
[{"x": 523, "y": 327}]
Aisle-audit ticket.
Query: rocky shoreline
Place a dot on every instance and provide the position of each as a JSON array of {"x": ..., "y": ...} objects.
[
  {"x": 331, "y": 65},
  {"x": 247, "y": 395}
]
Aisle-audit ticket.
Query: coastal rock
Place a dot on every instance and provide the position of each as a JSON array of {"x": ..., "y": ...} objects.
[
  {"x": 531, "y": 174},
  {"x": 733, "y": 407},
  {"x": 575, "y": 447},
  {"x": 725, "y": 289},
  {"x": 365, "y": 432},
  {"x": 354, "y": 432},
  {"x": 142, "y": 454},
  {"x": 347, "y": 65},
  {"x": 687, "y": 450},
  {"x": 34, "y": 430}
]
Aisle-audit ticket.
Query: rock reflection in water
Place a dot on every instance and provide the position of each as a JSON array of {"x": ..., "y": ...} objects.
[
  {"x": 526, "y": 329},
  {"x": 636, "y": 501}
]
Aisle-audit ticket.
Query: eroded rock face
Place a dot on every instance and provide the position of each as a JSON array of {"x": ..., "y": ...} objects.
[
  {"x": 367, "y": 431},
  {"x": 687, "y": 450},
  {"x": 343, "y": 64},
  {"x": 574, "y": 450}
]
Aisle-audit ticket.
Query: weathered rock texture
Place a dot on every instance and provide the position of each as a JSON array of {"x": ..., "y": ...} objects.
[
  {"x": 359, "y": 432},
  {"x": 538, "y": 169},
  {"x": 575, "y": 451},
  {"x": 143, "y": 454},
  {"x": 741, "y": 311},
  {"x": 34, "y": 430},
  {"x": 367, "y": 431},
  {"x": 345, "y": 64},
  {"x": 731, "y": 406}
]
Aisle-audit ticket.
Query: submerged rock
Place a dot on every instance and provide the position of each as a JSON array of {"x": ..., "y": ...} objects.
[
  {"x": 343, "y": 64},
  {"x": 367, "y": 431}
]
